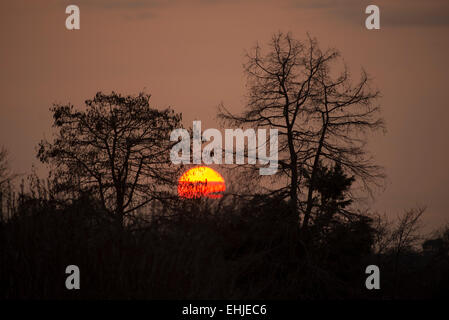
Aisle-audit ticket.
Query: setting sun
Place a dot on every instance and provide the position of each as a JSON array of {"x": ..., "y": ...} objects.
[{"x": 201, "y": 182}]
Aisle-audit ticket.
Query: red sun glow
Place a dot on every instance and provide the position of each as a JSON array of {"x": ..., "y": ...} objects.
[{"x": 201, "y": 182}]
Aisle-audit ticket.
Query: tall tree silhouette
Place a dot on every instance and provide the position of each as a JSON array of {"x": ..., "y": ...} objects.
[
  {"x": 321, "y": 115},
  {"x": 5, "y": 172},
  {"x": 3, "y": 177},
  {"x": 117, "y": 149}
]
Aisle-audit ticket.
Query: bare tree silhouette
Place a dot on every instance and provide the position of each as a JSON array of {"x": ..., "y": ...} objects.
[
  {"x": 6, "y": 177},
  {"x": 117, "y": 149},
  {"x": 5, "y": 172},
  {"x": 321, "y": 115}
]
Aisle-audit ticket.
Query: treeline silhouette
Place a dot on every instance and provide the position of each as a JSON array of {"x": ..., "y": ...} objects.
[
  {"x": 110, "y": 204},
  {"x": 253, "y": 251}
]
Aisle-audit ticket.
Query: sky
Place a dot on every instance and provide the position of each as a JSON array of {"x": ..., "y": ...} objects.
[{"x": 189, "y": 55}]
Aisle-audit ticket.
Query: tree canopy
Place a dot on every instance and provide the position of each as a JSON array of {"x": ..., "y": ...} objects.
[{"x": 116, "y": 149}]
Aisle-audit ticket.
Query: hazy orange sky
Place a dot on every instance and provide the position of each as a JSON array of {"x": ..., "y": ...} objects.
[{"x": 189, "y": 55}]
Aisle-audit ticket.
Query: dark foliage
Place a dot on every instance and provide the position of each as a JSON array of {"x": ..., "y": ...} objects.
[{"x": 254, "y": 252}]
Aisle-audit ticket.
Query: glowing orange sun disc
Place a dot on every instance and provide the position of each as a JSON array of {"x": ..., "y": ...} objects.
[{"x": 201, "y": 182}]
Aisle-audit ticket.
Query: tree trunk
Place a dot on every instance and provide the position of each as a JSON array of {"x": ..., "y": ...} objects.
[
  {"x": 294, "y": 176},
  {"x": 119, "y": 210},
  {"x": 316, "y": 162}
]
